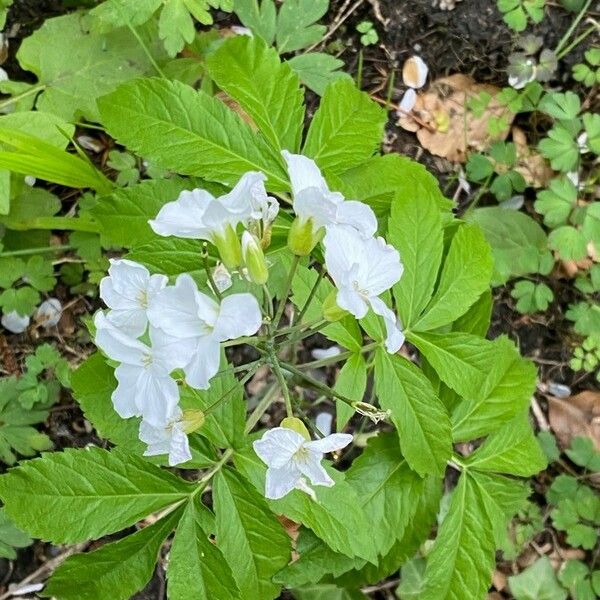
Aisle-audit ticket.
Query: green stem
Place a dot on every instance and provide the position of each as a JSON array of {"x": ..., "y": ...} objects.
[
  {"x": 317, "y": 384},
  {"x": 209, "y": 277},
  {"x": 298, "y": 327},
  {"x": 283, "y": 385},
  {"x": 261, "y": 408},
  {"x": 251, "y": 340},
  {"x": 577, "y": 41},
  {"x": 482, "y": 190},
  {"x": 286, "y": 291},
  {"x": 565, "y": 37},
  {"x": 204, "y": 480},
  {"x": 230, "y": 391},
  {"x": 311, "y": 295},
  {"x": 66, "y": 223},
  {"x": 33, "y": 90},
  {"x": 30, "y": 251},
  {"x": 359, "y": 69},
  {"x": 305, "y": 334},
  {"x": 145, "y": 49}
]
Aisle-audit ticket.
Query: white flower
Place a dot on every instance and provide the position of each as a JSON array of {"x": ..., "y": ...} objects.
[
  {"x": 323, "y": 422},
  {"x": 313, "y": 199},
  {"x": 145, "y": 387},
  {"x": 409, "y": 99},
  {"x": 200, "y": 324},
  {"x": 49, "y": 313},
  {"x": 128, "y": 290},
  {"x": 263, "y": 208},
  {"x": 169, "y": 439},
  {"x": 15, "y": 322},
  {"x": 362, "y": 269},
  {"x": 199, "y": 215},
  {"x": 290, "y": 457}
]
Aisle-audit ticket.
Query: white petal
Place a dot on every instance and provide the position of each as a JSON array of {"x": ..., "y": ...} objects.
[
  {"x": 314, "y": 470},
  {"x": 313, "y": 203},
  {"x": 169, "y": 352},
  {"x": 394, "y": 336},
  {"x": 204, "y": 363},
  {"x": 179, "y": 451},
  {"x": 414, "y": 72},
  {"x": 222, "y": 277},
  {"x": 118, "y": 345},
  {"x": 303, "y": 486},
  {"x": 126, "y": 285},
  {"x": 304, "y": 173},
  {"x": 14, "y": 322},
  {"x": 239, "y": 200},
  {"x": 280, "y": 482},
  {"x": 357, "y": 215},
  {"x": 278, "y": 446},
  {"x": 185, "y": 216},
  {"x": 239, "y": 315},
  {"x": 344, "y": 247},
  {"x": 125, "y": 394},
  {"x": 156, "y": 397},
  {"x": 319, "y": 353},
  {"x": 132, "y": 322},
  {"x": 49, "y": 312},
  {"x": 323, "y": 422},
  {"x": 350, "y": 300},
  {"x": 408, "y": 102},
  {"x": 182, "y": 311},
  {"x": 383, "y": 267},
  {"x": 157, "y": 438},
  {"x": 335, "y": 441}
]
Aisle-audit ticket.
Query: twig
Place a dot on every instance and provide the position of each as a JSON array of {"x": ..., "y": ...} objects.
[
  {"x": 404, "y": 112},
  {"x": 539, "y": 415},
  {"x": 336, "y": 24}
]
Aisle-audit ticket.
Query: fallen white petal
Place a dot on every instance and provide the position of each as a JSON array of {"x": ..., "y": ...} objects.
[{"x": 14, "y": 322}]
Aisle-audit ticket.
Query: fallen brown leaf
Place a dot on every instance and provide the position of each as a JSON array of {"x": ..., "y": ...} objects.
[
  {"x": 533, "y": 166},
  {"x": 578, "y": 415},
  {"x": 445, "y": 127}
]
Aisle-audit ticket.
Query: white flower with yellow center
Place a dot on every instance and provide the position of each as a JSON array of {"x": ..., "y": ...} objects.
[
  {"x": 291, "y": 458},
  {"x": 169, "y": 439}
]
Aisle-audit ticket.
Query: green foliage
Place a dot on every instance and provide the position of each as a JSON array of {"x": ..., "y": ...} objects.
[
  {"x": 537, "y": 581},
  {"x": 531, "y": 297},
  {"x": 516, "y": 13},
  {"x": 588, "y": 72},
  {"x": 587, "y": 356},
  {"x": 11, "y": 538},
  {"x": 369, "y": 33}
]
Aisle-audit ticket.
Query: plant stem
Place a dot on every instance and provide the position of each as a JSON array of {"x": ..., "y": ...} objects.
[
  {"x": 30, "y": 251},
  {"x": 577, "y": 41},
  {"x": 209, "y": 277},
  {"x": 298, "y": 327},
  {"x": 565, "y": 37},
  {"x": 304, "y": 334},
  {"x": 261, "y": 408},
  {"x": 144, "y": 48},
  {"x": 311, "y": 295},
  {"x": 317, "y": 384},
  {"x": 482, "y": 190},
  {"x": 230, "y": 391},
  {"x": 33, "y": 90},
  {"x": 203, "y": 481},
  {"x": 288, "y": 285},
  {"x": 282, "y": 384},
  {"x": 360, "y": 69},
  {"x": 251, "y": 340}
]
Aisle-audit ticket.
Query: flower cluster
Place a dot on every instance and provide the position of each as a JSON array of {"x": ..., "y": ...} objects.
[
  {"x": 153, "y": 329},
  {"x": 156, "y": 331}
]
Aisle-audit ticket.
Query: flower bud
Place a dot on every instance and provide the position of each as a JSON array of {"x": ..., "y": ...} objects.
[
  {"x": 296, "y": 425},
  {"x": 222, "y": 277},
  {"x": 192, "y": 420},
  {"x": 228, "y": 245},
  {"x": 331, "y": 311},
  {"x": 302, "y": 237},
  {"x": 254, "y": 259}
]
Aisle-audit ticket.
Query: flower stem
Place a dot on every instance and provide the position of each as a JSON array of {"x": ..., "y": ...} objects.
[
  {"x": 577, "y": 41},
  {"x": 33, "y": 90},
  {"x": 261, "y": 408},
  {"x": 30, "y": 251},
  {"x": 282, "y": 384},
  {"x": 313, "y": 291},
  {"x": 304, "y": 334},
  {"x": 66, "y": 223},
  {"x": 209, "y": 276},
  {"x": 288, "y": 285},
  {"x": 565, "y": 37}
]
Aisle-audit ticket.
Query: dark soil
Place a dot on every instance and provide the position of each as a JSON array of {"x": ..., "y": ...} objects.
[{"x": 471, "y": 39}]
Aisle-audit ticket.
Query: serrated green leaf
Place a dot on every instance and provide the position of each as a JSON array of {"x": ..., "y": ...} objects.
[
  {"x": 351, "y": 383},
  {"x": 477, "y": 319},
  {"x": 188, "y": 132},
  {"x": 519, "y": 244},
  {"x": 537, "y": 582},
  {"x": 197, "y": 570},
  {"x": 112, "y": 14},
  {"x": 22, "y": 300},
  {"x": 560, "y": 106},
  {"x": 96, "y": 64},
  {"x": 116, "y": 570},
  {"x": 96, "y": 492},
  {"x": 11, "y": 537},
  {"x": 296, "y": 27},
  {"x": 337, "y": 517},
  {"x": 267, "y": 89},
  {"x": 170, "y": 256},
  {"x": 415, "y": 230},
  {"x": 560, "y": 148},
  {"x": 461, "y": 560},
  {"x": 557, "y": 202},
  {"x": 532, "y": 297},
  {"x": 44, "y": 125},
  {"x": 513, "y": 450},
  {"x": 503, "y": 393},
  {"x": 583, "y": 453},
  {"x": 327, "y": 591},
  {"x": 478, "y": 167},
  {"x": 317, "y": 70},
  {"x": 175, "y": 26},
  {"x": 465, "y": 276},
  {"x": 346, "y": 129},
  {"x": 258, "y": 15},
  {"x": 251, "y": 539},
  {"x": 570, "y": 243},
  {"x": 388, "y": 489},
  {"x": 419, "y": 416}
]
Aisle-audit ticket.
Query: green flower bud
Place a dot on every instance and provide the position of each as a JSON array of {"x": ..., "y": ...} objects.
[
  {"x": 302, "y": 237},
  {"x": 331, "y": 311},
  {"x": 229, "y": 247},
  {"x": 254, "y": 259},
  {"x": 192, "y": 420},
  {"x": 296, "y": 425}
]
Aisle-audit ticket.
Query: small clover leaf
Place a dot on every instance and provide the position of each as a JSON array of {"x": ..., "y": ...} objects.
[
  {"x": 478, "y": 167},
  {"x": 557, "y": 202},
  {"x": 39, "y": 273},
  {"x": 24, "y": 300},
  {"x": 583, "y": 453},
  {"x": 532, "y": 297}
]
